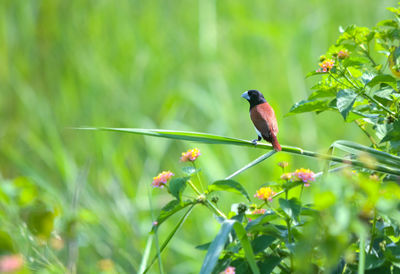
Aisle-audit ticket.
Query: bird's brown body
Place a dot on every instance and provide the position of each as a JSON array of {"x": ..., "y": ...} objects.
[{"x": 263, "y": 117}]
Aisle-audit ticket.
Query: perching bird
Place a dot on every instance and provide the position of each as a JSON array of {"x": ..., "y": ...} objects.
[{"x": 263, "y": 117}]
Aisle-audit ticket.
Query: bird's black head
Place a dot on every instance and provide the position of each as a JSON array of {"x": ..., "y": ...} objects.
[{"x": 254, "y": 97}]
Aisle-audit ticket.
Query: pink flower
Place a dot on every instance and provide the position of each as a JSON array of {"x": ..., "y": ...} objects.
[
  {"x": 11, "y": 263},
  {"x": 343, "y": 54},
  {"x": 304, "y": 175},
  {"x": 264, "y": 193},
  {"x": 190, "y": 155},
  {"x": 229, "y": 270},
  {"x": 161, "y": 179}
]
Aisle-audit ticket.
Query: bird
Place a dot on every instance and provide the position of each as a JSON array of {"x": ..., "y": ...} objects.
[{"x": 263, "y": 117}]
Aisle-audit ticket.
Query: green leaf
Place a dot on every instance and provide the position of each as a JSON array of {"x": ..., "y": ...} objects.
[
  {"x": 308, "y": 106},
  {"x": 169, "y": 209},
  {"x": 177, "y": 186},
  {"x": 322, "y": 91},
  {"x": 260, "y": 243},
  {"x": 230, "y": 186},
  {"x": 218, "y": 244},
  {"x": 383, "y": 78},
  {"x": 257, "y": 224},
  {"x": 203, "y": 246},
  {"x": 39, "y": 218},
  {"x": 268, "y": 264},
  {"x": 183, "y": 135},
  {"x": 6, "y": 243},
  {"x": 190, "y": 170},
  {"x": 345, "y": 100},
  {"x": 393, "y": 134},
  {"x": 372, "y": 261},
  {"x": 291, "y": 208}
]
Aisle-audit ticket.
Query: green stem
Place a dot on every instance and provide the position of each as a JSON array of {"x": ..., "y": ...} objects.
[
  {"x": 373, "y": 232},
  {"x": 301, "y": 191},
  {"x": 366, "y": 133},
  {"x": 379, "y": 104},
  {"x": 361, "y": 261},
  {"x": 164, "y": 245},
  {"x": 208, "y": 202},
  {"x": 198, "y": 176}
]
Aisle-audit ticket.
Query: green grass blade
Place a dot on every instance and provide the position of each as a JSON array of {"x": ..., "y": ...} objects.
[
  {"x": 356, "y": 149},
  {"x": 251, "y": 164},
  {"x": 146, "y": 254},
  {"x": 173, "y": 232},
  {"x": 246, "y": 245},
  {"x": 217, "y": 139},
  {"x": 217, "y": 246}
]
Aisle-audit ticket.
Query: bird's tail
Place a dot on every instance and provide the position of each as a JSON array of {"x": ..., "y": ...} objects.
[{"x": 275, "y": 143}]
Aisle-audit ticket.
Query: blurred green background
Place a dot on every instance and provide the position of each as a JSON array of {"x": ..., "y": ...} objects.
[{"x": 152, "y": 64}]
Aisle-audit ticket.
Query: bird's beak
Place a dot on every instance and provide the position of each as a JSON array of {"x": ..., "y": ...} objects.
[{"x": 245, "y": 95}]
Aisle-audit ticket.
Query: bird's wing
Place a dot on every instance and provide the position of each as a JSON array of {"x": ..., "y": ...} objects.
[{"x": 263, "y": 117}]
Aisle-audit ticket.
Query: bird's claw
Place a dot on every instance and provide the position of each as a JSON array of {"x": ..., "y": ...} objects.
[{"x": 254, "y": 142}]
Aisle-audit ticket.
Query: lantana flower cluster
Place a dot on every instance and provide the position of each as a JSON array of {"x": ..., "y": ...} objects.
[
  {"x": 259, "y": 211},
  {"x": 265, "y": 193},
  {"x": 161, "y": 179},
  {"x": 343, "y": 54},
  {"x": 302, "y": 174},
  {"x": 190, "y": 155},
  {"x": 229, "y": 270},
  {"x": 326, "y": 65}
]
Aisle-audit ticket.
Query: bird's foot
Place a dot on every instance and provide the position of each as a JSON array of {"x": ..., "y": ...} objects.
[{"x": 254, "y": 142}]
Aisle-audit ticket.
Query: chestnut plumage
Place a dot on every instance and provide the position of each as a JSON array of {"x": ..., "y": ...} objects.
[{"x": 263, "y": 117}]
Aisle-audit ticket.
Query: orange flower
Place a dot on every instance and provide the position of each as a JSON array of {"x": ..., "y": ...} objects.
[
  {"x": 190, "y": 155},
  {"x": 265, "y": 193},
  {"x": 161, "y": 179},
  {"x": 326, "y": 65}
]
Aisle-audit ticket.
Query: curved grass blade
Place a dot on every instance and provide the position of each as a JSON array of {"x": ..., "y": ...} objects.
[
  {"x": 251, "y": 164},
  {"x": 164, "y": 245},
  {"x": 217, "y": 139},
  {"x": 354, "y": 148},
  {"x": 218, "y": 244}
]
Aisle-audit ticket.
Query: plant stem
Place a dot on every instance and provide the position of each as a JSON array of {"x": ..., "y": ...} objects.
[
  {"x": 366, "y": 133},
  {"x": 361, "y": 261},
  {"x": 301, "y": 192},
  {"x": 373, "y": 232},
  {"x": 198, "y": 176},
  {"x": 164, "y": 245},
  {"x": 379, "y": 104}
]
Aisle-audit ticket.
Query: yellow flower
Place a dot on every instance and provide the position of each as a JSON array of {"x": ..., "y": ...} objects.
[{"x": 265, "y": 193}]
